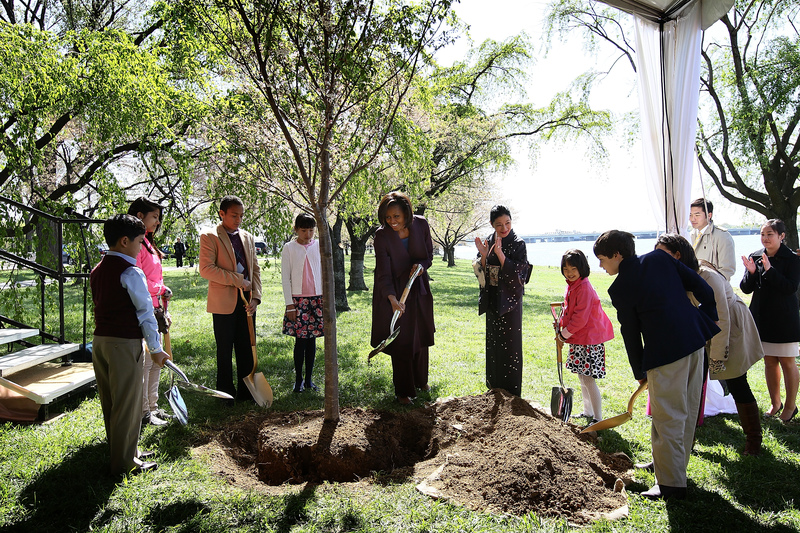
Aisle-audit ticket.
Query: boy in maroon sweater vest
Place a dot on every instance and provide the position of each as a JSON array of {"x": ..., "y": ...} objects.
[{"x": 123, "y": 314}]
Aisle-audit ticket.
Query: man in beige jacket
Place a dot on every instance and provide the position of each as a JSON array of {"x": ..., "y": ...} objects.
[
  {"x": 228, "y": 261},
  {"x": 711, "y": 243}
]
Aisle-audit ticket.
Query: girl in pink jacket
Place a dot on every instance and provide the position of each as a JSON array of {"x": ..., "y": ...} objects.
[
  {"x": 149, "y": 260},
  {"x": 585, "y": 327}
]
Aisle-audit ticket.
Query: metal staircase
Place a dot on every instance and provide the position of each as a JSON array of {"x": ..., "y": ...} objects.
[{"x": 34, "y": 376}]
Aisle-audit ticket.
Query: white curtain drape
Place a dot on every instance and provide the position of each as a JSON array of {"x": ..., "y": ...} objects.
[{"x": 668, "y": 70}]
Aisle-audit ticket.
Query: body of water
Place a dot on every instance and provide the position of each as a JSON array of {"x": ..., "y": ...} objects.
[{"x": 549, "y": 253}]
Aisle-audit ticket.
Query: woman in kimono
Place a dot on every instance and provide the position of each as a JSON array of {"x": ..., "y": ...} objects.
[
  {"x": 402, "y": 243},
  {"x": 502, "y": 268}
]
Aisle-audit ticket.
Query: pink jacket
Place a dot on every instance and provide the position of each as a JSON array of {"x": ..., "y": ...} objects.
[
  {"x": 583, "y": 320},
  {"x": 150, "y": 263}
]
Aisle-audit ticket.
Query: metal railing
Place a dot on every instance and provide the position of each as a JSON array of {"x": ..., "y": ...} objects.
[{"x": 59, "y": 274}]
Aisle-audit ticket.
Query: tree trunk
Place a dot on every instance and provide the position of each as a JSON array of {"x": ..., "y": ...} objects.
[
  {"x": 790, "y": 219},
  {"x": 358, "y": 244},
  {"x": 329, "y": 318},
  {"x": 338, "y": 265},
  {"x": 450, "y": 253}
]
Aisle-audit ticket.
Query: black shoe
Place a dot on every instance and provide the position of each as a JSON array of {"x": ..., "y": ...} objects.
[
  {"x": 145, "y": 454},
  {"x": 146, "y": 466},
  {"x": 665, "y": 492},
  {"x": 298, "y": 387},
  {"x": 310, "y": 385},
  {"x": 780, "y": 409},
  {"x": 790, "y": 418}
]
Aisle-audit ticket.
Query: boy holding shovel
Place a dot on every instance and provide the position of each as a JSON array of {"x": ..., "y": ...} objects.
[
  {"x": 228, "y": 261},
  {"x": 664, "y": 336}
]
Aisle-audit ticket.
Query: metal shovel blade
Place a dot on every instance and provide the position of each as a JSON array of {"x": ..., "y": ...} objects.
[
  {"x": 256, "y": 382},
  {"x": 178, "y": 405},
  {"x": 259, "y": 388},
  {"x": 618, "y": 420},
  {"x": 561, "y": 403},
  {"x": 392, "y": 336},
  {"x": 184, "y": 383}
]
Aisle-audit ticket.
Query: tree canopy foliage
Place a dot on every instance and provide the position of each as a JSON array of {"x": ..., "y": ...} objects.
[
  {"x": 88, "y": 85},
  {"x": 325, "y": 80}
]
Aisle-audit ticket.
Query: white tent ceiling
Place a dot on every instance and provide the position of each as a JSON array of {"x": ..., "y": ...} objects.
[{"x": 659, "y": 10}]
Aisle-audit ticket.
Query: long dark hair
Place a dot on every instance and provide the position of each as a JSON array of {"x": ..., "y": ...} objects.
[
  {"x": 145, "y": 205},
  {"x": 678, "y": 244}
]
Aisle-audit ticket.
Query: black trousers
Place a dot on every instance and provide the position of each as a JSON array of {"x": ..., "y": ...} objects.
[
  {"x": 233, "y": 335},
  {"x": 178, "y": 260}
]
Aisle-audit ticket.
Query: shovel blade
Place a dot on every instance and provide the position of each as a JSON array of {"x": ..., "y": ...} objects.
[
  {"x": 178, "y": 405},
  {"x": 608, "y": 423},
  {"x": 384, "y": 344},
  {"x": 259, "y": 389},
  {"x": 561, "y": 403}
]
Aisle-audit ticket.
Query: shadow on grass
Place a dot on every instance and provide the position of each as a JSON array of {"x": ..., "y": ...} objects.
[
  {"x": 295, "y": 507},
  {"x": 711, "y": 512},
  {"x": 68, "y": 496}
]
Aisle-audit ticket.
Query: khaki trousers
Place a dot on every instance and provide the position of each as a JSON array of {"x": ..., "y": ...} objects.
[
  {"x": 118, "y": 369},
  {"x": 674, "y": 404}
]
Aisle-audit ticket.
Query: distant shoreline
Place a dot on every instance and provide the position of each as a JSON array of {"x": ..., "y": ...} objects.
[{"x": 558, "y": 236}]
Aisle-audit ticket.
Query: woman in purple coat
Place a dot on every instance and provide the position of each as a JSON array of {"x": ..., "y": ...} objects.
[{"x": 402, "y": 243}]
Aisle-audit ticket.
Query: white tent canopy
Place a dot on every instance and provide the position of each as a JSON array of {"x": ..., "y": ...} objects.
[{"x": 668, "y": 41}]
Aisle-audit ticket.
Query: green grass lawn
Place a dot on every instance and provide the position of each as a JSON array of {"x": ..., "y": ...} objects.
[{"x": 52, "y": 476}]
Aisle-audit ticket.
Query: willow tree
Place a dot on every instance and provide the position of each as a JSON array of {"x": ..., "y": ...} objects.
[
  {"x": 332, "y": 75},
  {"x": 748, "y": 135}
]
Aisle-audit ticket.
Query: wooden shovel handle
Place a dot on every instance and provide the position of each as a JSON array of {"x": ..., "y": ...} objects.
[
  {"x": 411, "y": 278},
  {"x": 636, "y": 393},
  {"x": 250, "y": 325}
]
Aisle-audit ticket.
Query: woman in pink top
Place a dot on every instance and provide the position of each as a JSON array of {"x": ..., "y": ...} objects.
[
  {"x": 585, "y": 327},
  {"x": 149, "y": 260},
  {"x": 301, "y": 276}
]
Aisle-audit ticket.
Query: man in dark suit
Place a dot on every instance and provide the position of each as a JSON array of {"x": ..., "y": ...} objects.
[
  {"x": 180, "y": 250},
  {"x": 664, "y": 336},
  {"x": 228, "y": 261}
]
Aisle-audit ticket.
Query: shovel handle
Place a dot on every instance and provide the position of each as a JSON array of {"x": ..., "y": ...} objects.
[
  {"x": 250, "y": 325},
  {"x": 636, "y": 393},
  {"x": 411, "y": 278}
]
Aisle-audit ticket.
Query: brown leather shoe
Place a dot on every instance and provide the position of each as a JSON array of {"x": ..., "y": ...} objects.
[{"x": 404, "y": 400}]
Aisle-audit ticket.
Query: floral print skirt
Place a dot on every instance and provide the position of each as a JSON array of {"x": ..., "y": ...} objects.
[
  {"x": 309, "y": 318},
  {"x": 587, "y": 359}
]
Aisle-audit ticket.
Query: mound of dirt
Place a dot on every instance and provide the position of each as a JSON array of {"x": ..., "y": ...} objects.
[{"x": 490, "y": 452}]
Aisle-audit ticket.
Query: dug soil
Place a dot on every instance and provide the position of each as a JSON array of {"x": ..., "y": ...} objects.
[{"x": 493, "y": 452}]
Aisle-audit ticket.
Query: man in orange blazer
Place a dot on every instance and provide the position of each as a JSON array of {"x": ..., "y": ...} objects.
[{"x": 228, "y": 262}]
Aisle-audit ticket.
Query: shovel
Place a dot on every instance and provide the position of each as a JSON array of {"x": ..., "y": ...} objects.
[
  {"x": 615, "y": 421},
  {"x": 393, "y": 333},
  {"x": 184, "y": 383},
  {"x": 256, "y": 382},
  {"x": 560, "y": 397}
]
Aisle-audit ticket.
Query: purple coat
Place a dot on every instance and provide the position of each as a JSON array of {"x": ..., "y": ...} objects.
[{"x": 392, "y": 269}]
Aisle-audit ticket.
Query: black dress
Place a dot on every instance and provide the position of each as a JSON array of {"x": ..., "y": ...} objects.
[
  {"x": 393, "y": 261},
  {"x": 503, "y": 307}
]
